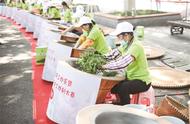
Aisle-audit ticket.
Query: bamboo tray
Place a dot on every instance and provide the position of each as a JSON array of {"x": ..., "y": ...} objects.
[
  {"x": 172, "y": 107},
  {"x": 76, "y": 52},
  {"x": 106, "y": 85},
  {"x": 166, "y": 77},
  {"x": 69, "y": 37},
  {"x": 153, "y": 52}
]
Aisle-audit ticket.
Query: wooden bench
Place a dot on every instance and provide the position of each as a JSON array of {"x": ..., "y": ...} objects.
[{"x": 177, "y": 27}]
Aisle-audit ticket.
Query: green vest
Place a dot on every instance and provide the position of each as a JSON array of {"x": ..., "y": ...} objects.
[
  {"x": 67, "y": 15},
  {"x": 99, "y": 41},
  {"x": 54, "y": 12},
  {"x": 24, "y": 6},
  {"x": 19, "y": 5},
  {"x": 138, "y": 69}
]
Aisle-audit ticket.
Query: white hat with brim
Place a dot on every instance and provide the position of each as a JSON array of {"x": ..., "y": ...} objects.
[
  {"x": 83, "y": 20},
  {"x": 122, "y": 27}
]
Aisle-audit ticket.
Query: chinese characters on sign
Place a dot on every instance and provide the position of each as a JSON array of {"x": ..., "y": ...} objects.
[{"x": 66, "y": 84}]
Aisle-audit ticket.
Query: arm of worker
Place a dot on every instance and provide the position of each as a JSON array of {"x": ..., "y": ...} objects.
[
  {"x": 81, "y": 39},
  {"x": 115, "y": 53},
  {"x": 87, "y": 43},
  {"x": 120, "y": 63},
  {"x": 68, "y": 29}
]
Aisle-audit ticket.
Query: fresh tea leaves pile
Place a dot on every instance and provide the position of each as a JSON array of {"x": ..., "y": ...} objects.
[
  {"x": 110, "y": 73},
  {"x": 90, "y": 61}
]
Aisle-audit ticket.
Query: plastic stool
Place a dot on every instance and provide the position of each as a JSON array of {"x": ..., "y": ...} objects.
[
  {"x": 134, "y": 98},
  {"x": 146, "y": 98}
]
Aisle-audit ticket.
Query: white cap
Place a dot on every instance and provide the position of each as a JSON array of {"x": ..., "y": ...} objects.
[
  {"x": 84, "y": 20},
  {"x": 123, "y": 27}
]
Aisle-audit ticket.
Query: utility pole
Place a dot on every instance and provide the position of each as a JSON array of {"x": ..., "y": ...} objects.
[{"x": 129, "y": 5}]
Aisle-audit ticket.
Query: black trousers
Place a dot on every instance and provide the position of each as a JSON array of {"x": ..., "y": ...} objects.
[{"x": 127, "y": 87}]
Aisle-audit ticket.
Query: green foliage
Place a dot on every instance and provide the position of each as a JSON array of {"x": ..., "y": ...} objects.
[{"x": 90, "y": 61}]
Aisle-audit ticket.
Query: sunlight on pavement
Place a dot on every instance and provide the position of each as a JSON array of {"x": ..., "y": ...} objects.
[
  {"x": 27, "y": 71},
  {"x": 8, "y": 38},
  {"x": 13, "y": 98},
  {"x": 10, "y": 78},
  {"x": 9, "y": 58}
]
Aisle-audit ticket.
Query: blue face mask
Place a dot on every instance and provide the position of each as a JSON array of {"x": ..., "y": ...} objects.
[{"x": 124, "y": 43}]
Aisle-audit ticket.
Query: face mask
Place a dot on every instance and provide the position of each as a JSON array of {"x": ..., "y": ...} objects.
[{"x": 124, "y": 43}]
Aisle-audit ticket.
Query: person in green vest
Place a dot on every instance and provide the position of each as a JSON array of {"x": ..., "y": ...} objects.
[
  {"x": 130, "y": 57},
  {"x": 19, "y": 4},
  {"x": 11, "y": 3},
  {"x": 66, "y": 13},
  {"x": 53, "y": 12},
  {"x": 35, "y": 7},
  {"x": 92, "y": 36},
  {"x": 24, "y": 5}
]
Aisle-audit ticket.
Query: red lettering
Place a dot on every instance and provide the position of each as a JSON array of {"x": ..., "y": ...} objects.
[
  {"x": 59, "y": 88},
  {"x": 52, "y": 94},
  {"x": 61, "y": 79},
  {"x": 65, "y": 81},
  {"x": 63, "y": 90},
  {"x": 69, "y": 83},
  {"x": 67, "y": 92},
  {"x": 72, "y": 94}
]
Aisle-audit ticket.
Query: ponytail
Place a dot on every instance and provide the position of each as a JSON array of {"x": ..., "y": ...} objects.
[{"x": 93, "y": 22}]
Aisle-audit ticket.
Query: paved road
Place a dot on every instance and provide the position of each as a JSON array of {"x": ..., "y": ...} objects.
[
  {"x": 178, "y": 48},
  {"x": 15, "y": 77},
  {"x": 161, "y": 36}
]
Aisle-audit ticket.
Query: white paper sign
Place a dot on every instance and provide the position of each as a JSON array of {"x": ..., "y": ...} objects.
[
  {"x": 1, "y": 10},
  {"x": 23, "y": 16},
  {"x": 19, "y": 17},
  {"x": 37, "y": 27},
  {"x": 55, "y": 52},
  {"x": 8, "y": 12},
  {"x": 46, "y": 35},
  {"x": 31, "y": 22},
  {"x": 4, "y": 11},
  {"x": 72, "y": 90},
  {"x": 14, "y": 13}
]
